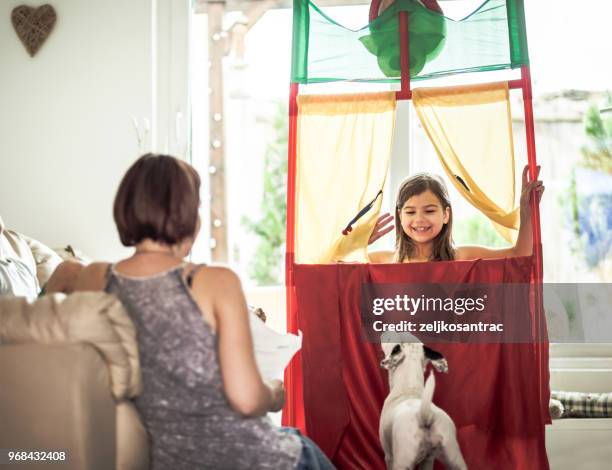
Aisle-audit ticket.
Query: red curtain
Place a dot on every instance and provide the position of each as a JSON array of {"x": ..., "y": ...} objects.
[{"x": 497, "y": 394}]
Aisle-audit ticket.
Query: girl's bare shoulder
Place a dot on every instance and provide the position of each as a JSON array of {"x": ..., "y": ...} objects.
[
  {"x": 463, "y": 253},
  {"x": 471, "y": 252},
  {"x": 380, "y": 257}
]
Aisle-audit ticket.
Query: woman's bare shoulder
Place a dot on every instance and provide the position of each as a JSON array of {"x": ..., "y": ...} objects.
[
  {"x": 219, "y": 294},
  {"x": 92, "y": 277},
  {"x": 219, "y": 282},
  {"x": 219, "y": 275}
]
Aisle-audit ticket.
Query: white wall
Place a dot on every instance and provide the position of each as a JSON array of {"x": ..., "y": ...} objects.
[{"x": 66, "y": 132}]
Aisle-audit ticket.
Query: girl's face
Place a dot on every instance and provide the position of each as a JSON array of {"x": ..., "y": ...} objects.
[{"x": 422, "y": 217}]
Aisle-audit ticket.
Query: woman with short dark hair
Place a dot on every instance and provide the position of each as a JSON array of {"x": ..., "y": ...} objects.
[
  {"x": 158, "y": 199},
  {"x": 204, "y": 401}
]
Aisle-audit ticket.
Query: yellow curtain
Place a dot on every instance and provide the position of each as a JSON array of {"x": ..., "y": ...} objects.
[
  {"x": 471, "y": 130},
  {"x": 343, "y": 151}
]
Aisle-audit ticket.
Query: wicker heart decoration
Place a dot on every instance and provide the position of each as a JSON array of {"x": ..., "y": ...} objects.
[{"x": 33, "y": 25}]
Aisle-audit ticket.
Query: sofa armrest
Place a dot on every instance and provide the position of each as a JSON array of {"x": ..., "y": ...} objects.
[
  {"x": 58, "y": 397},
  {"x": 132, "y": 439}
]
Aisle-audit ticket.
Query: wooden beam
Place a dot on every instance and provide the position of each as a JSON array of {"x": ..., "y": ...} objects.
[
  {"x": 217, "y": 49},
  {"x": 216, "y": 52}
]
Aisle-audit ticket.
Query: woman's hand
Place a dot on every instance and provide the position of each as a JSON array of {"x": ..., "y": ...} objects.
[
  {"x": 278, "y": 395},
  {"x": 526, "y": 188},
  {"x": 384, "y": 225}
]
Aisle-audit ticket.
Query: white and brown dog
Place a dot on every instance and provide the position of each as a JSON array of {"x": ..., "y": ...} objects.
[{"x": 413, "y": 431}]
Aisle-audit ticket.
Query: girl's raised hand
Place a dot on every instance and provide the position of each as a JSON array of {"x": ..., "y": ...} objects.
[
  {"x": 384, "y": 225},
  {"x": 527, "y": 187}
]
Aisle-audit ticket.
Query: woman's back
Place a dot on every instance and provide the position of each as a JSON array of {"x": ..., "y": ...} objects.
[{"x": 183, "y": 404}]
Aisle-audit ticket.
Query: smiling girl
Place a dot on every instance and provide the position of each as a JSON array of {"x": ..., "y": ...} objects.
[{"x": 424, "y": 219}]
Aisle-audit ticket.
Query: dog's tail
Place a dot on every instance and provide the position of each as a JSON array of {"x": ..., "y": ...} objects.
[{"x": 425, "y": 411}]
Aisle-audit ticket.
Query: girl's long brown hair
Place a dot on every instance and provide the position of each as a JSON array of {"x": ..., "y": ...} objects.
[{"x": 443, "y": 249}]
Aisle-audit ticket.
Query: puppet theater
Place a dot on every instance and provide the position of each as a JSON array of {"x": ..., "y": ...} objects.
[{"x": 339, "y": 150}]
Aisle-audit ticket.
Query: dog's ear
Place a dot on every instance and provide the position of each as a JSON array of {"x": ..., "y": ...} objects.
[
  {"x": 437, "y": 360},
  {"x": 432, "y": 354},
  {"x": 393, "y": 359}
]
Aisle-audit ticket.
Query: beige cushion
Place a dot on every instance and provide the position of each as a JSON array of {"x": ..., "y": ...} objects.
[
  {"x": 39, "y": 258},
  {"x": 91, "y": 317},
  {"x": 46, "y": 259}
]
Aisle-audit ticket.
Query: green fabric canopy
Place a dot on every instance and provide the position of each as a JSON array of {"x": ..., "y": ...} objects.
[{"x": 490, "y": 38}]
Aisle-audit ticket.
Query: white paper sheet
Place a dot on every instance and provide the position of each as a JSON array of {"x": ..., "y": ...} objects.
[{"x": 273, "y": 350}]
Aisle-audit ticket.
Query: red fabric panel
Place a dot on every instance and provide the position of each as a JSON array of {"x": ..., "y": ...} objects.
[
  {"x": 492, "y": 391},
  {"x": 293, "y": 412},
  {"x": 321, "y": 352}
]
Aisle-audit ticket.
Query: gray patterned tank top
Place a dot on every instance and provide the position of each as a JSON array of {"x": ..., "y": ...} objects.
[{"x": 183, "y": 405}]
